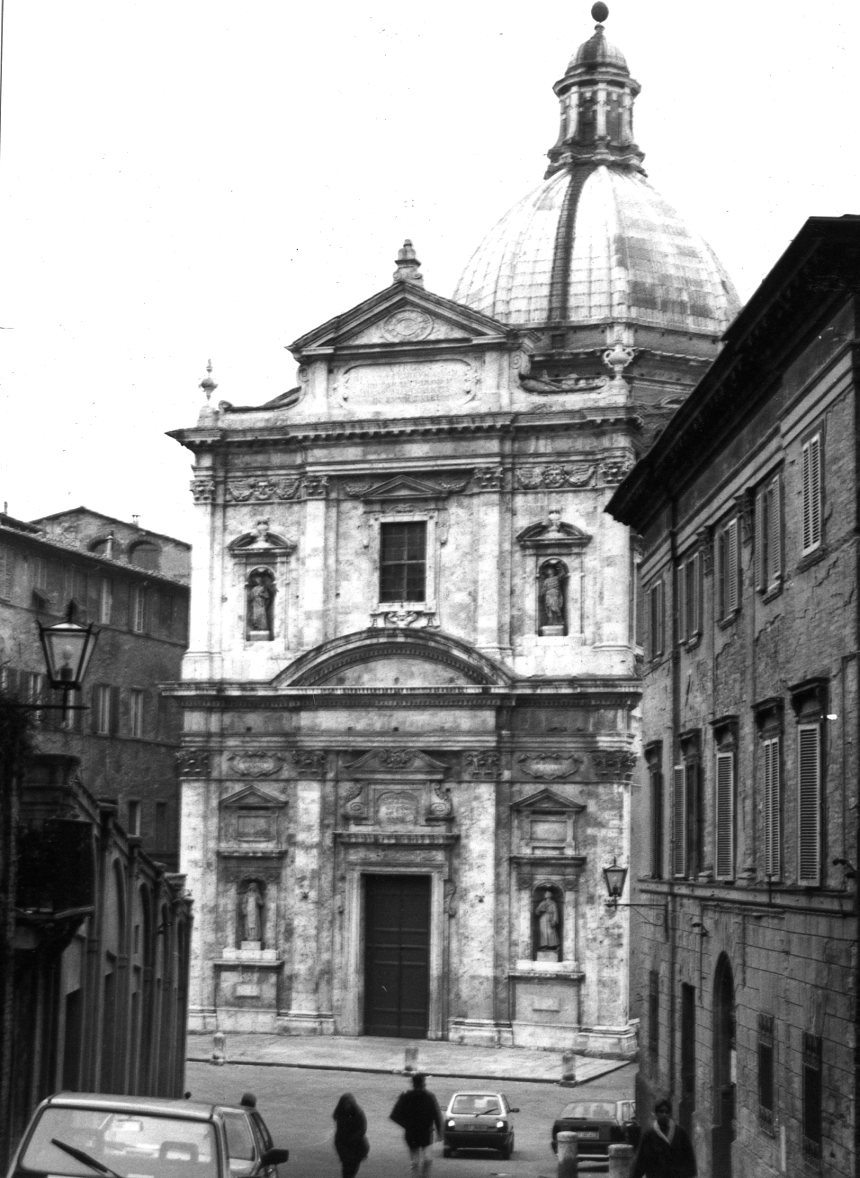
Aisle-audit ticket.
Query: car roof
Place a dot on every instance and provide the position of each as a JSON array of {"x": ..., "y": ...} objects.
[
  {"x": 478, "y": 1092},
  {"x": 191, "y": 1110}
]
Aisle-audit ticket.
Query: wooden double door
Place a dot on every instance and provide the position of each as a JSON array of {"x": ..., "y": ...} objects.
[{"x": 397, "y": 955}]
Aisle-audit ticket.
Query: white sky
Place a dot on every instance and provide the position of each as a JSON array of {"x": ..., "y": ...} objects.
[{"x": 185, "y": 179}]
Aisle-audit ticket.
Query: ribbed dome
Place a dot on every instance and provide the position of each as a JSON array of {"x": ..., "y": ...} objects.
[
  {"x": 596, "y": 244},
  {"x": 597, "y": 51}
]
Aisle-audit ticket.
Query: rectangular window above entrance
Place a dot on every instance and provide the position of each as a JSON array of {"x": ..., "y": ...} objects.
[{"x": 403, "y": 561}]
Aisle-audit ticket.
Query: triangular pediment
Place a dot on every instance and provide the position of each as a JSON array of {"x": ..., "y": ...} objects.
[
  {"x": 402, "y": 316},
  {"x": 407, "y": 487},
  {"x": 404, "y": 763},
  {"x": 250, "y": 797},
  {"x": 546, "y": 801}
]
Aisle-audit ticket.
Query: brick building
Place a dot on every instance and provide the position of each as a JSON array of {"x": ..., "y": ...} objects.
[
  {"x": 134, "y": 584},
  {"x": 745, "y": 969}
]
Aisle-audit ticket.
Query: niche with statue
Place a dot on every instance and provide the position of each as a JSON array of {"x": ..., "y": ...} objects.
[{"x": 547, "y": 932}]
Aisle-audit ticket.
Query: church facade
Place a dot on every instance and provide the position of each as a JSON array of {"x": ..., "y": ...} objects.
[{"x": 411, "y": 691}]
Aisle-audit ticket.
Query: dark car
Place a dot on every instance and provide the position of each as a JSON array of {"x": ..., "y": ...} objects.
[
  {"x": 79, "y": 1135},
  {"x": 597, "y": 1124},
  {"x": 478, "y": 1120}
]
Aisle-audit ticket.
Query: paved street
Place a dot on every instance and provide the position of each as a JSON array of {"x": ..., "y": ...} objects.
[{"x": 297, "y": 1102}]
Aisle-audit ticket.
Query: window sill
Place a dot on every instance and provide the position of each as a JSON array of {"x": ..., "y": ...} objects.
[
  {"x": 811, "y": 558},
  {"x": 771, "y": 591},
  {"x": 729, "y": 619}
]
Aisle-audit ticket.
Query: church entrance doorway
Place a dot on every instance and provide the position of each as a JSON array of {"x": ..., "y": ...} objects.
[
  {"x": 725, "y": 1069},
  {"x": 397, "y": 955}
]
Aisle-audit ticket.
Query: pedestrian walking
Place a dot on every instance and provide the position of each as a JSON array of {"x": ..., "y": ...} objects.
[
  {"x": 350, "y": 1135},
  {"x": 417, "y": 1112},
  {"x": 665, "y": 1150}
]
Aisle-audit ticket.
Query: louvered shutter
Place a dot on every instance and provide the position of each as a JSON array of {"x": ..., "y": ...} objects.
[
  {"x": 679, "y": 822},
  {"x": 774, "y": 533},
  {"x": 812, "y": 494},
  {"x": 761, "y": 531},
  {"x": 724, "y": 851},
  {"x": 772, "y": 809},
  {"x": 732, "y": 568},
  {"x": 694, "y": 595},
  {"x": 683, "y": 634},
  {"x": 809, "y": 804}
]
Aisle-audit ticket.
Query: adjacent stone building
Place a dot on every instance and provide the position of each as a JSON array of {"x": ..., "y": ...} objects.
[
  {"x": 134, "y": 585},
  {"x": 745, "y": 967},
  {"x": 411, "y": 691}
]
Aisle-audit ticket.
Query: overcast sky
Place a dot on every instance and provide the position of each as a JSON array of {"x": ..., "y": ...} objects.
[{"x": 185, "y": 179}]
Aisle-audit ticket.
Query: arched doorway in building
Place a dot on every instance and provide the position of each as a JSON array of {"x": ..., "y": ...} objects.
[
  {"x": 397, "y": 955},
  {"x": 725, "y": 1069}
]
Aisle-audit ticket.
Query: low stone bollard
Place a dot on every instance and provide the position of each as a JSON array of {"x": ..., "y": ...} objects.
[
  {"x": 620, "y": 1160},
  {"x": 410, "y": 1059},
  {"x": 219, "y": 1042},
  {"x": 568, "y": 1155},
  {"x": 568, "y": 1069}
]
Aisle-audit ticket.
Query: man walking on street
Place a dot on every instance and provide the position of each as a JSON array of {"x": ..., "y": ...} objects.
[
  {"x": 417, "y": 1113},
  {"x": 665, "y": 1150}
]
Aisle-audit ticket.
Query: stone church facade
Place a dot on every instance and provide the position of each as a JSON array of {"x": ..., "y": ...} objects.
[{"x": 411, "y": 690}]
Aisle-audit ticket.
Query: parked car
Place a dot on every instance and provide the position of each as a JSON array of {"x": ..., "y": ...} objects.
[
  {"x": 79, "y": 1135},
  {"x": 478, "y": 1120},
  {"x": 597, "y": 1124}
]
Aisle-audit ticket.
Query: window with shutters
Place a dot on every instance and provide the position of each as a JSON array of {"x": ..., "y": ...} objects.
[
  {"x": 727, "y": 567},
  {"x": 772, "y": 766},
  {"x": 136, "y": 705},
  {"x": 809, "y": 804},
  {"x": 403, "y": 561},
  {"x": 656, "y": 619},
  {"x": 688, "y": 809},
  {"x": 7, "y": 572},
  {"x": 811, "y": 1130},
  {"x": 138, "y": 609},
  {"x": 134, "y": 816},
  {"x": 654, "y": 1018},
  {"x": 768, "y": 536},
  {"x": 690, "y": 589},
  {"x": 105, "y": 709},
  {"x": 765, "y": 1073},
  {"x": 725, "y": 774},
  {"x": 809, "y": 700},
  {"x": 105, "y": 600},
  {"x": 654, "y": 761},
  {"x": 812, "y": 495}
]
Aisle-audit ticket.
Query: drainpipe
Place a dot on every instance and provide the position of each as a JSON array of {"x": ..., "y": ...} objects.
[{"x": 676, "y": 753}]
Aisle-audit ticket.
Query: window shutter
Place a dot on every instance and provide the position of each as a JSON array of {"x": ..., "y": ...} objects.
[
  {"x": 681, "y": 582},
  {"x": 114, "y": 710},
  {"x": 694, "y": 595},
  {"x": 812, "y": 494},
  {"x": 732, "y": 568},
  {"x": 772, "y": 809},
  {"x": 761, "y": 532},
  {"x": 679, "y": 822},
  {"x": 725, "y": 805},
  {"x": 809, "y": 804},
  {"x": 773, "y": 571}
]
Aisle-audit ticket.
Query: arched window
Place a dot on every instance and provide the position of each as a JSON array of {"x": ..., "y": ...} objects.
[{"x": 145, "y": 555}]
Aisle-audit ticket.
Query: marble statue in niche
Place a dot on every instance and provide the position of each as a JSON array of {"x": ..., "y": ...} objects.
[
  {"x": 552, "y": 592},
  {"x": 252, "y": 912},
  {"x": 547, "y": 927},
  {"x": 260, "y": 594}
]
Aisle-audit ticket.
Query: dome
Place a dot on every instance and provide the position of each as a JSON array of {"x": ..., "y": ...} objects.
[
  {"x": 597, "y": 244},
  {"x": 597, "y": 51}
]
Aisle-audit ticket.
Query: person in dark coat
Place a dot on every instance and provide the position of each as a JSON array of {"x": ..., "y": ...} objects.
[
  {"x": 418, "y": 1114},
  {"x": 665, "y": 1150},
  {"x": 350, "y": 1127}
]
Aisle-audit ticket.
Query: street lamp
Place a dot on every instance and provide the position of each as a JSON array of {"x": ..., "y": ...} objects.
[
  {"x": 68, "y": 649},
  {"x": 615, "y": 877}
]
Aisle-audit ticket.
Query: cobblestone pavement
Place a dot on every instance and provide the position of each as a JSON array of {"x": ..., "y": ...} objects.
[{"x": 370, "y": 1054}]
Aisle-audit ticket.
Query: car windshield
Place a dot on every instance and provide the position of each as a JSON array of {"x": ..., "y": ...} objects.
[
  {"x": 133, "y": 1144},
  {"x": 598, "y": 1110},
  {"x": 475, "y": 1104}
]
